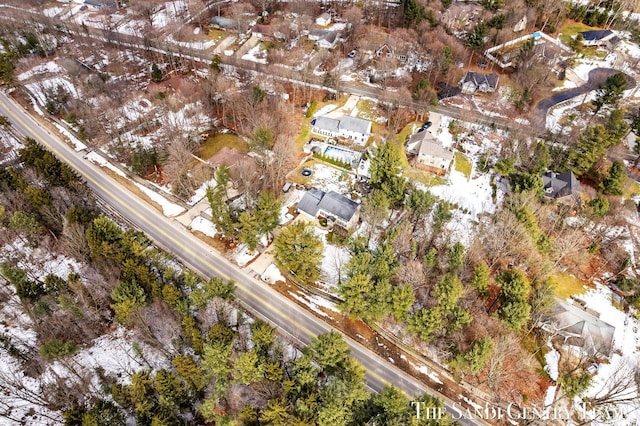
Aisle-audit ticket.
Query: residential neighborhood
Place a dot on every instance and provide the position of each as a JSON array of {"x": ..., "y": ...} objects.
[{"x": 323, "y": 213}]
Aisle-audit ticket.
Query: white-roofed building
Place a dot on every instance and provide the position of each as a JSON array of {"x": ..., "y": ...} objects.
[{"x": 353, "y": 128}]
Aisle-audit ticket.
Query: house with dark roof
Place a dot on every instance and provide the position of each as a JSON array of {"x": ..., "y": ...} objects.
[
  {"x": 562, "y": 187},
  {"x": 266, "y": 32},
  {"x": 605, "y": 38},
  {"x": 574, "y": 326},
  {"x": 353, "y": 128},
  {"x": 477, "y": 81},
  {"x": 334, "y": 207},
  {"x": 429, "y": 151},
  {"x": 325, "y": 39}
]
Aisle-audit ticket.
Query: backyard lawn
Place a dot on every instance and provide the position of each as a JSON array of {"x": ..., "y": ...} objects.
[
  {"x": 463, "y": 165},
  {"x": 571, "y": 29},
  {"x": 215, "y": 143},
  {"x": 567, "y": 285}
]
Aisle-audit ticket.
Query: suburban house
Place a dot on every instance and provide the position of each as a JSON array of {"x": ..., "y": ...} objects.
[
  {"x": 562, "y": 187},
  {"x": 430, "y": 152},
  {"x": 325, "y": 39},
  {"x": 323, "y": 20},
  {"x": 474, "y": 81},
  {"x": 334, "y": 207},
  {"x": 266, "y": 32},
  {"x": 572, "y": 325},
  {"x": 103, "y": 4},
  {"x": 228, "y": 24},
  {"x": 604, "y": 38},
  {"x": 353, "y": 128},
  {"x": 384, "y": 50}
]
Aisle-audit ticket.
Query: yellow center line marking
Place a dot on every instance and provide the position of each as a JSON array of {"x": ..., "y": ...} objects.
[
  {"x": 149, "y": 223},
  {"x": 162, "y": 232}
]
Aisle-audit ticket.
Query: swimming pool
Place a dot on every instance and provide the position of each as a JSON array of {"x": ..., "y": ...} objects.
[{"x": 342, "y": 154}]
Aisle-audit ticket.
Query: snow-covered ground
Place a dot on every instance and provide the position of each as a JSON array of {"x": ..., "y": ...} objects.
[
  {"x": 472, "y": 195},
  {"x": 98, "y": 159},
  {"x": 36, "y": 262},
  {"x": 626, "y": 344},
  {"x": 201, "y": 192},
  {"x": 552, "y": 358},
  {"x": 169, "y": 209},
  {"x": 315, "y": 303},
  {"x": 197, "y": 45},
  {"x": 47, "y": 68},
  {"x": 328, "y": 178},
  {"x": 256, "y": 54},
  {"x": 203, "y": 225},
  {"x": 272, "y": 274},
  {"x": 556, "y": 113},
  {"x": 37, "y": 89},
  {"x": 243, "y": 256},
  {"x": 78, "y": 145},
  {"x": 172, "y": 11},
  {"x": 333, "y": 261}
]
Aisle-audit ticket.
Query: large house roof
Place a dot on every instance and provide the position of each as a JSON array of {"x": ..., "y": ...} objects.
[
  {"x": 326, "y": 35},
  {"x": 326, "y": 123},
  {"x": 479, "y": 78},
  {"x": 355, "y": 124},
  {"x": 581, "y": 328},
  {"x": 431, "y": 146},
  {"x": 310, "y": 202},
  {"x": 560, "y": 185},
  {"x": 596, "y": 35},
  {"x": 347, "y": 122},
  {"x": 331, "y": 202}
]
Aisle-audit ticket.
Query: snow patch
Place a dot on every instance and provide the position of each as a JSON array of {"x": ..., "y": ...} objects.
[
  {"x": 272, "y": 274},
  {"x": 98, "y": 159},
  {"x": 203, "y": 225},
  {"x": 169, "y": 209}
]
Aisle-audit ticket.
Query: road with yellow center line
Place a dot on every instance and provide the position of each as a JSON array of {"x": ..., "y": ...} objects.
[{"x": 255, "y": 296}]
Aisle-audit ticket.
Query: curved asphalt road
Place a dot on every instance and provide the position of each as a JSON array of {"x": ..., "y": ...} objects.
[
  {"x": 255, "y": 296},
  {"x": 596, "y": 77}
]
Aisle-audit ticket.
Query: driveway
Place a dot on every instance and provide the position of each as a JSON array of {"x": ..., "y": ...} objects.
[{"x": 597, "y": 77}]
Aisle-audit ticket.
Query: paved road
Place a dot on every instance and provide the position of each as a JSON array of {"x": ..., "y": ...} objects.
[
  {"x": 281, "y": 73},
  {"x": 255, "y": 296}
]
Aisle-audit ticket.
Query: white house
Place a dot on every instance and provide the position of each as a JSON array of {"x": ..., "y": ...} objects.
[
  {"x": 323, "y": 20},
  {"x": 324, "y": 38},
  {"x": 430, "y": 151},
  {"x": 356, "y": 129}
]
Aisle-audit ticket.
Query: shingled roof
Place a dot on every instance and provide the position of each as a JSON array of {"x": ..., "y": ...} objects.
[
  {"x": 581, "y": 328},
  {"x": 479, "y": 78},
  {"x": 560, "y": 185},
  {"x": 331, "y": 202},
  {"x": 596, "y": 35}
]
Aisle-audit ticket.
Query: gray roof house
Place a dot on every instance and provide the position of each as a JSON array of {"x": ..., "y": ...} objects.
[
  {"x": 561, "y": 187},
  {"x": 580, "y": 328},
  {"x": 474, "y": 81},
  {"x": 228, "y": 23},
  {"x": 430, "y": 151},
  {"x": 356, "y": 129},
  {"x": 333, "y": 206},
  {"x": 326, "y": 39},
  {"x": 599, "y": 38},
  {"x": 102, "y": 4}
]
